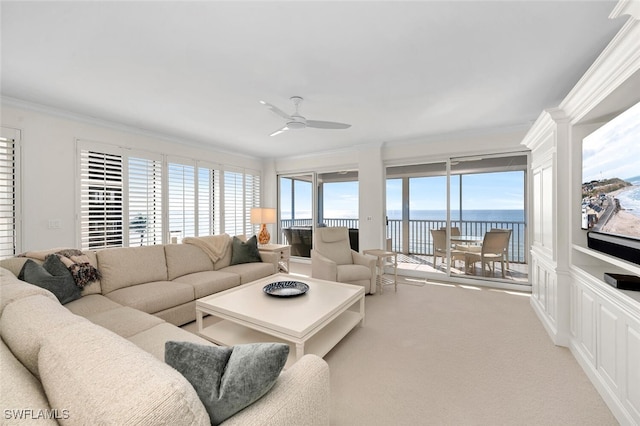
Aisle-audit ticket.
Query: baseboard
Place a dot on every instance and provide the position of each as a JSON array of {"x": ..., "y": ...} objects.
[{"x": 608, "y": 396}]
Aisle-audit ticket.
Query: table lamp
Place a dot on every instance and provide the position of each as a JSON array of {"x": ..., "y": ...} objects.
[{"x": 263, "y": 216}]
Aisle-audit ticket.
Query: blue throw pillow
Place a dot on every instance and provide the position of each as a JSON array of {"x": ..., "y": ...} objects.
[
  {"x": 245, "y": 252},
  {"x": 228, "y": 379},
  {"x": 52, "y": 275}
]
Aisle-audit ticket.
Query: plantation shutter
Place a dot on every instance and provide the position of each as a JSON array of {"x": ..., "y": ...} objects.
[
  {"x": 208, "y": 197},
  {"x": 7, "y": 198},
  {"x": 233, "y": 203},
  {"x": 252, "y": 199},
  {"x": 101, "y": 204},
  {"x": 145, "y": 201},
  {"x": 241, "y": 193},
  {"x": 182, "y": 200}
]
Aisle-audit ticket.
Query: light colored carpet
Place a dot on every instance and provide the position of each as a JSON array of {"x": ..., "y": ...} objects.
[
  {"x": 451, "y": 355},
  {"x": 438, "y": 354}
]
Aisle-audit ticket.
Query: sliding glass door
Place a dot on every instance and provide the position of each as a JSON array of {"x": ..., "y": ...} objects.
[
  {"x": 307, "y": 201},
  {"x": 440, "y": 214}
]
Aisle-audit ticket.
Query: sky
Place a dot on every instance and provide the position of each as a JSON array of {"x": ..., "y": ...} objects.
[
  {"x": 482, "y": 191},
  {"x": 614, "y": 149}
]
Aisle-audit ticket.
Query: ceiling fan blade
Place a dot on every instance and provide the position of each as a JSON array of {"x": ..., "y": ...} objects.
[
  {"x": 277, "y": 132},
  {"x": 327, "y": 124},
  {"x": 276, "y": 110}
]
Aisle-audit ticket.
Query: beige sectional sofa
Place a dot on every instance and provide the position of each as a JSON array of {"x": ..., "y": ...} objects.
[{"x": 99, "y": 359}]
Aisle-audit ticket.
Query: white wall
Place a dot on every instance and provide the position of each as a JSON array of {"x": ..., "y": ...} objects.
[{"x": 49, "y": 167}]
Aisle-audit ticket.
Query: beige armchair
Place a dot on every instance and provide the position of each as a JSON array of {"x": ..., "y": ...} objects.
[{"x": 333, "y": 259}]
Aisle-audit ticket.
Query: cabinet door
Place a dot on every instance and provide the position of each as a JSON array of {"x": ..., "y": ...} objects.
[
  {"x": 587, "y": 326},
  {"x": 609, "y": 321},
  {"x": 632, "y": 368}
]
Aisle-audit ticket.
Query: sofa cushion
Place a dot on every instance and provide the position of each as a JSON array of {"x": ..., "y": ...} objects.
[
  {"x": 209, "y": 282},
  {"x": 26, "y": 322},
  {"x": 14, "y": 264},
  {"x": 91, "y": 304},
  {"x": 251, "y": 271},
  {"x": 228, "y": 379},
  {"x": 52, "y": 275},
  {"x": 183, "y": 259},
  {"x": 245, "y": 251},
  {"x": 124, "y": 267},
  {"x": 102, "y": 378},
  {"x": 225, "y": 260},
  {"x": 180, "y": 314},
  {"x": 153, "y": 297},
  {"x": 15, "y": 289},
  {"x": 21, "y": 391},
  {"x": 125, "y": 321},
  {"x": 309, "y": 404},
  {"x": 153, "y": 340}
]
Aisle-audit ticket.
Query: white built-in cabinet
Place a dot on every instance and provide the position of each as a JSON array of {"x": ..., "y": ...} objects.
[{"x": 598, "y": 323}]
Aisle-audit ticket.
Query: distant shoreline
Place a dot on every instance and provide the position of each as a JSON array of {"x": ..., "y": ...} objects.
[{"x": 622, "y": 222}]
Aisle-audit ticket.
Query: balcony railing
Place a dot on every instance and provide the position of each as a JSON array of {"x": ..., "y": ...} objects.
[{"x": 419, "y": 239}]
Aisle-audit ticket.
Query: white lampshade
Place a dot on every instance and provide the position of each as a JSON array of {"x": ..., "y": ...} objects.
[{"x": 260, "y": 215}]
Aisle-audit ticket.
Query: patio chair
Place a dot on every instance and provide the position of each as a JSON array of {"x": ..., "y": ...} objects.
[
  {"x": 455, "y": 231},
  {"x": 332, "y": 259},
  {"x": 494, "y": 249},
  {"x": 439, "y": 237}
]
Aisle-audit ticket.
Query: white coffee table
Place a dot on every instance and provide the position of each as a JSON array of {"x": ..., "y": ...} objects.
[{"x": 311, "y": 323}]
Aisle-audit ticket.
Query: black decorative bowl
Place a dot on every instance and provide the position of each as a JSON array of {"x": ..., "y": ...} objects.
[{"x": 286, "y": 288}]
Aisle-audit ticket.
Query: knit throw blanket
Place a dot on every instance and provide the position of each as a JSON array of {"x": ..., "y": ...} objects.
[
  {"x": 215, "y": 246},
  {"x": 77, "y": 262}
]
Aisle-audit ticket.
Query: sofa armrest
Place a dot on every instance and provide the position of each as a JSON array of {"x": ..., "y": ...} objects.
[
  {"x": 322, "y": 267},
  {"x": 270, "y": 257},
  {"x": 299, "y": 397}
]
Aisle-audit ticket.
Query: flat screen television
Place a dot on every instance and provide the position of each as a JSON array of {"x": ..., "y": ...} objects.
[{"x": 611, "y": 186}]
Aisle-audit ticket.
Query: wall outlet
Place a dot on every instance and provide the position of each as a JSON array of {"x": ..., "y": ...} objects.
[{"x": 54, "y": 224}]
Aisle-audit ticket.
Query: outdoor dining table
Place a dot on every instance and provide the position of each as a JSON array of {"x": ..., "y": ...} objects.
[{"x": 474, "y": 239}]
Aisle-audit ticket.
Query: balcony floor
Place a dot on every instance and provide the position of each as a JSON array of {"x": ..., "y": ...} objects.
[{"x": 517, "y": 272}]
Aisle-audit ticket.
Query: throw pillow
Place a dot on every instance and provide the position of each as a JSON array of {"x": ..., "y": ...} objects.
[
  {"x": 228, "y": 379},
  {"x": 245, "y": 252},
  {"x": 52, "y": 275}
]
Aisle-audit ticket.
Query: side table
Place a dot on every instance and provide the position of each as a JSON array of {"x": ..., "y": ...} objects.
[
  {"x": 284, "y": 254},
  {"x": 382, "y": 256}
]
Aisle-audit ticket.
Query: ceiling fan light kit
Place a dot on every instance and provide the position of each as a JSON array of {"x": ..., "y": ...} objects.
[{"x": 296, "y": 121}]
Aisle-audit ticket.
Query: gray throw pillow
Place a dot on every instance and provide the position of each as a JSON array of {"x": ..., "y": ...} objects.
[
  {"x": 52, "y": 275},
  {"x": 228, "y": 379},
  {"x": 245, "y": 252}
]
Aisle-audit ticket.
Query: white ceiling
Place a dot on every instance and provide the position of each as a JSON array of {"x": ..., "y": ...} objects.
[{"x": 195, "y": 71}]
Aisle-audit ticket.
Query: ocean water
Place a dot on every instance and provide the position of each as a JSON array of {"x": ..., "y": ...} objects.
[
  {"x": 467, "y": 215},
  {"x": 630, "y": 199}
]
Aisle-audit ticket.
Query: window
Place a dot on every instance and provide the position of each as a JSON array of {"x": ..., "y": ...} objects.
[
  {"x": 132, "y": 199},
  {"x": 145, "y": 201},
  {"x": 9, "y": 161},
  {"x": 182, "y": 200},
  {"x": 208, "y": 201},
  {"x": 101, "y": 204},
  {"x": 241, "y": 192}
]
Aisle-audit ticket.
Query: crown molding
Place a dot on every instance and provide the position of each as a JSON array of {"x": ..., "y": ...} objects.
[
  {"x": 617, "y": 63},
  {"x": 626, "y": 7},
  {"x": 544, "y": 128},
  {"x": 112, "y": 125}
]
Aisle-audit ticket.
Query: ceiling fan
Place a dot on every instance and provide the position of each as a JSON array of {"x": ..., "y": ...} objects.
[{"x": 296, "y": 121}]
